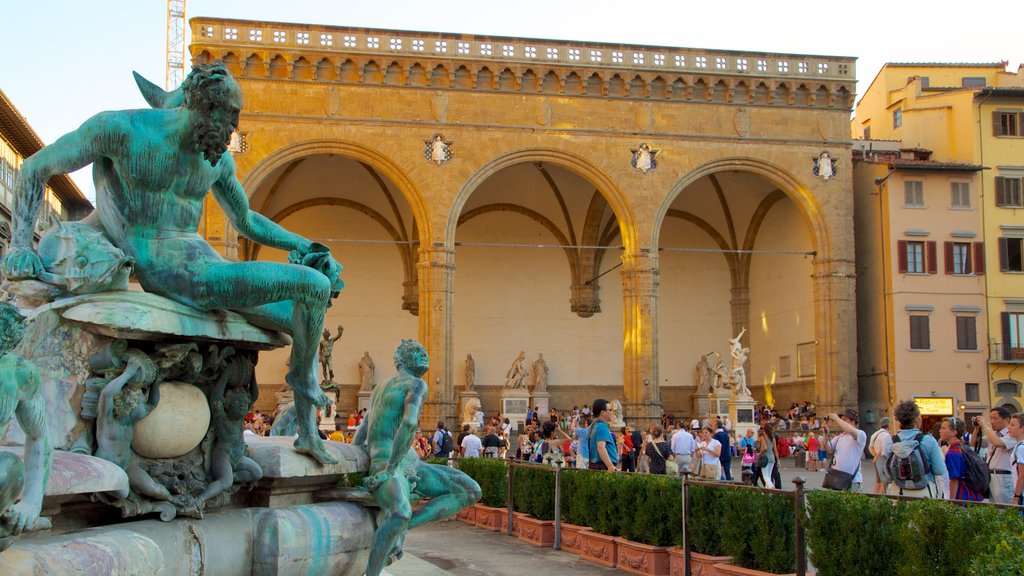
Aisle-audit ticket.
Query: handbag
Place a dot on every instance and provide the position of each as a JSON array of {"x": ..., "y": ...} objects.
[
  {"x": 837, "y": 479},
  {"x": 762, "y": 460},
  {"x": 671, "y": 466}
]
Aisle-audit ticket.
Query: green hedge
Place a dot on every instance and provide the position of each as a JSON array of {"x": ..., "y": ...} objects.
[
  {"x": 757, "y": 529},
  {"x": 907, "y": 538},
  {"x": 533, "y": 493},
  {"x": 492, "y": 476},
  {"x": 705, "y": 519}
]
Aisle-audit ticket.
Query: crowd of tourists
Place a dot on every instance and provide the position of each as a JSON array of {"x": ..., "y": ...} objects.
[{"x": 978, "y": 460}]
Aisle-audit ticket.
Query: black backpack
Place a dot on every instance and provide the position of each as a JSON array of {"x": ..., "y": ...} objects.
[
  {"x": 977, "y": 474},
  {"x": 446, "y": 443}
]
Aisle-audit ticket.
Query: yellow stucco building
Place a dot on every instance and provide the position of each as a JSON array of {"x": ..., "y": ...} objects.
[
  {"x": 967, "y": 121},
  {"x": 622, "y": 210}
]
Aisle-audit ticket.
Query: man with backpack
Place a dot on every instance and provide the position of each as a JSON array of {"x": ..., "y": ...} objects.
[
  {"x": 916, "y": 458},
  {"x": 442, "y": 441},
  {"x": 994, "y": 436},
  {"x": 880, "y": 447}
]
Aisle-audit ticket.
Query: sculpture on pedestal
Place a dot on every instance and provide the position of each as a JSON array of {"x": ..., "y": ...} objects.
[
  {"x": 367, "y": 373},
  {"x": 515, "y": 378},
  {"x": 395, "y": 470},
  {"x": 153, "y": 169},
  {"x": 706, "y": 375},
  {"x": 540, "y": 374},
  {"x": 470, "y": 372},
  {"x": 470, "y": 409},
  {"x": 21, "y": 397},
  {"x": 326, "y": 353},
  {"x": 738, "y": 375}
]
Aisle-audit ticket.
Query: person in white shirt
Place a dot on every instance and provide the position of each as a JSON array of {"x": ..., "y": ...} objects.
[
  {"x": 880, "y": 447},
  {"x": 471, "y": 446},
  {"x": 682, "y": 447},
  {"x": 996, "y": 438},
  {"x": 1016, "y": 431},
  {"x": 709, "y": 450},
  {"x": 848, "y": 446}
]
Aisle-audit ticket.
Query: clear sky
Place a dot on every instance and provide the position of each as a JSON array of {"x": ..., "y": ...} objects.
[{"x": 65, "y": 60}]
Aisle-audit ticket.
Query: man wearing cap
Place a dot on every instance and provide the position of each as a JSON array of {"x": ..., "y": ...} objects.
[{"x": 848, "y": 447}]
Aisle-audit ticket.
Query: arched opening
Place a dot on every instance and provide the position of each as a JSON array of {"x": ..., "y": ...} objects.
[
  {"x": 356, "y": 204},
  {"x": 537, "y": 249},
  {"x": 736, "y": 252}
]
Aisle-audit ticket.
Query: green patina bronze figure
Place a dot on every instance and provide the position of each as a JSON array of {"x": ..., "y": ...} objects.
[
  {"x": 152, "y": 169},
  {"x": 395, "y": 470},
  {"x": 20, "y": 396}
]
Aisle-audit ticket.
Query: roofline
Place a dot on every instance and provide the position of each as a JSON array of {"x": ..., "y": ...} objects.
[
  {"x": 999, "y": 65},
  {"x": 1003, "y": 91},
  {"x": 936, "y": 167},
  {"x": 431, "y": 34},
  {"x": 25, "y": 141}
]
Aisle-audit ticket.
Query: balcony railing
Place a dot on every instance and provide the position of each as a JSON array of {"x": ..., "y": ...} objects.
[{"x": 1007, "y": 352}]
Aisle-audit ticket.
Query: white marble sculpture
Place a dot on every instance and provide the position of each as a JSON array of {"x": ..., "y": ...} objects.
[
  {"x": 515, "y": 378},
  {"x": 540, "y": 374},
  {"x": 367, "y": 370},
  {"x": 738, "y": 375}
]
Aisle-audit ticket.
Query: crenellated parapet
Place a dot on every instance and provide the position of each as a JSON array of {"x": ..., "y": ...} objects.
[{"x": 497, "y": 64}]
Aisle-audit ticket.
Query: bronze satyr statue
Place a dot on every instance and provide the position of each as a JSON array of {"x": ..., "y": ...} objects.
[{"x": 395, "y": 469}]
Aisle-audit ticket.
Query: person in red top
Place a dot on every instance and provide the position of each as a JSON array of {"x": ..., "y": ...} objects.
[
  {"x": 812, "y": 452},
  {"x": 951, "y": 431},
  {"x": 626, "y": 450}
]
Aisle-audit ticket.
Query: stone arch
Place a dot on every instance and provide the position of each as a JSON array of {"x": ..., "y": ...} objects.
[
  {"x": 372, "y": 73},
  {"x": 741, "y": 93},
  {"x": 583, "y": 168},
  {"x": 783, "y": 95},
  {"x": 205, "y": 57},
  {"x": 638, "y": 87},
  {"x": 418, "y": 75},
  {"x": 700, "y": 90},
  {"x": 573, "y": 84},
  {"x": 842, "y": 98},
  {"x": 720, "y": 92},
  {"x": 529, "y": 81},
  {"x": 507, "y": 80},
  {"x": 678, "y": 91},
  {"x": 439, "y": 77},
  {"x": 485, "y": 79},
  {"x": 325, "y": 70},
  {"x": 659, "y": 88},
  {"x": 279, "y": 67},
  {"x": 349, "y": 71},
  {"x": 802, "y": 95},
  {"x": 761, "y": 94},
  {"x": 463, "y": 78},
  {"x": 616, "y": 86},
  {"x": 254, "y": 66},
  {"x": 804, "y": 199},
  {"x": 356, "y": 151},
  {"x": 595, "y": 85},
  {"x": 822, "y": 97},
  {"x": 394, "y": 74},
  {"x": 552, "y": 83},
  {"x": 302, "y": 69}
]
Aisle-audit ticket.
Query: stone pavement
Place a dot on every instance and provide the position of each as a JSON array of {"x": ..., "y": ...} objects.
[{"x": 453, "y": 548}]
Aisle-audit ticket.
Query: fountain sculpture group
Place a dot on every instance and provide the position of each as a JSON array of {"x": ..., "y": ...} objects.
[{"x": 143, "y": 393}]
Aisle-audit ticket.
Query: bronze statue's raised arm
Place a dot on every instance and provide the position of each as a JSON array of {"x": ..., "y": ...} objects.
[
  {"x": 256, "y": 227},
  {"x": 407, "y": 427},
  {"x": 69, "y": 153},
  {"x": 31, "y": 413}
]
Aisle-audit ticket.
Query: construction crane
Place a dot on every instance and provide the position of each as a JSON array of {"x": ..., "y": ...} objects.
[{"x": 175, "y": 72}]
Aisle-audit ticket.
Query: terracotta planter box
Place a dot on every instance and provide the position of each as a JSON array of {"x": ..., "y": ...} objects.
[
  {"x": 644, "y": 559},
  {"x": 570, "y": 537},
  {"x": 489, "y": 518},
  {"x": 598, "y": 548},
  {"x": 700, "y": 564},
  {"x": 730, "y": 570},
  {"x": 467, "y": 515},
  {"x": 537, "y": 532}
]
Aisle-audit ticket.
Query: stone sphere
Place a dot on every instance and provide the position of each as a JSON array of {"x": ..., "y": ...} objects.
[{"x": 177, "y": 425}]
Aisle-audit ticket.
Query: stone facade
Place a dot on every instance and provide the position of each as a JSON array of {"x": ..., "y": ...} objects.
[{"x": 379, "y": 99}]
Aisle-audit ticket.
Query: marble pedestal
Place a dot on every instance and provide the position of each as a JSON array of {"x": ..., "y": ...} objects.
[
  {"x": 741, "y": 412},
  {"x": 701, "y": 405},
  {"x": 542, "y": 401},
  {"x": 514, "y": 404},
  {"x": 363, "y": 399}
]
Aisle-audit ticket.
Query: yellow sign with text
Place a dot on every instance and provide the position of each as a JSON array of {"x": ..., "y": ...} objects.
[{"x": 935, "y": 406}]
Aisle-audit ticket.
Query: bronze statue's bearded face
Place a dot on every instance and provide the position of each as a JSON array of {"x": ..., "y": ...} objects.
[
  {"x": 412, "y": 356},
  {"x": 215, "y": 98}
]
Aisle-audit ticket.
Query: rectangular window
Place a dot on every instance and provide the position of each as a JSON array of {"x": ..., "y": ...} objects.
[
  {"x": 973, "y": 82},
  {"x": 1013, "y": 336},
  {"x": 1008, "y": 192},
  {"x": 958, "y": 257},
  {"x": 1010, "y": 254},
  {"x": 913, "y": 193},
  {"x": 960, "y": 195},
  {"x": 966, "y": 333},
  {"x": 1007, "y": 123},
  {"x": 917, "y": 257},
  {"x": 972, "y": 392},
  {"x": 897, "y": 118},
  {"x": 919, "y": 336},
  {"x": 867, "y": 132}
]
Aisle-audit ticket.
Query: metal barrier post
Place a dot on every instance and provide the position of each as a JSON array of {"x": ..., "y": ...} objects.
[
  {"x": 798, "y": 526},
  {"x": 558, "y": 508},
  {"x": 687, "y": 570},
  {"x": 508, "y": 500}
]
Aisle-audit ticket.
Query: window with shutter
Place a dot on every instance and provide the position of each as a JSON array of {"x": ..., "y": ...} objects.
[
  {"x": 966, "y": 333},
  {"x": 901, "y": 255},
  {"x": 960, "y": 195},
  {"x": 1013, "y": 331},
  {"x": 919, "y": 334},
  {"x": 913, "y": 193},
  {"x": 1006, "y": 123},
  {"x": 1011, "y": 251},
  {"x": 932, "y": 259},
  {"x": 912, "y": 258},
  {"x": 979, "y": 258},
  {"x": 1008, "y": 191},
  {"x": 958, "y": 257}
]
